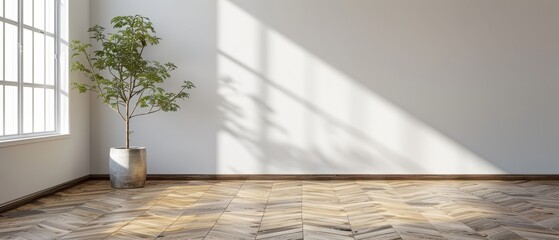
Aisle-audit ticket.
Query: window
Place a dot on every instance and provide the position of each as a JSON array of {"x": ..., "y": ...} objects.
[{"x": 33, "y": 68}]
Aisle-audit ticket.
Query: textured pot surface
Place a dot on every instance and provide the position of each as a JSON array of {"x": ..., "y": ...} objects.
[{"x": 127, "y": 167}]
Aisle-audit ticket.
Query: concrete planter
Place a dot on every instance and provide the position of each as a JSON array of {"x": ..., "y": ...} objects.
[{"x": 127, "y": 167}]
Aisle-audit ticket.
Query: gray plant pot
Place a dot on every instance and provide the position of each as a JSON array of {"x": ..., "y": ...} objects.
[{"x": 127, "y": 167}]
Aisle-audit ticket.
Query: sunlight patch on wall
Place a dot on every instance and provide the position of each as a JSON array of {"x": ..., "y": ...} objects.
[{"x": 283, "y": 110}]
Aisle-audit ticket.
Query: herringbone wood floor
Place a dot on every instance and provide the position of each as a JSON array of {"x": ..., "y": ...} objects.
[{"x": 283, "y": 209}]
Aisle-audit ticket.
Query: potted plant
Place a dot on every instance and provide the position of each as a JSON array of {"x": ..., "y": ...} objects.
[{"x": 128, "y": 84}]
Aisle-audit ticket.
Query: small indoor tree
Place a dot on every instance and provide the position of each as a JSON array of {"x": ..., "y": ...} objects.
[
  {"x": 121, "y": 76},
  {"x": 129, "y": 84}
]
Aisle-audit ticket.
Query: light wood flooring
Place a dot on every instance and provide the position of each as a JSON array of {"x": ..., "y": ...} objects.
[{"x": 293, "y": 209}]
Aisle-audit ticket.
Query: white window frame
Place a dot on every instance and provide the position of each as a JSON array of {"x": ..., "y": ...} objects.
[{"x": 58, "y": 41}]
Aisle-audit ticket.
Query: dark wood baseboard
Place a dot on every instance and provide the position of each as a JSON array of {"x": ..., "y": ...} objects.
[
  {"x": 40, "y": 194},
  {"x": 501, "y": 177},
  {"x": 99, "y": 177}
]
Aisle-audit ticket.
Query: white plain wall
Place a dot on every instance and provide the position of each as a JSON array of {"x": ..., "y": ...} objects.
[
  {"x": 28, "y": 168},
  {"x": 288, "y": 86}
]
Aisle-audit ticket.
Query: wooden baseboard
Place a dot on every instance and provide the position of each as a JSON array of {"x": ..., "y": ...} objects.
[
  {"x": 501, "y": 177},
  {"x": 40, "y": 194},
  {"x": 99, "y": 177}
]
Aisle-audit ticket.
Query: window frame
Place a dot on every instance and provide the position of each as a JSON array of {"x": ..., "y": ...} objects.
[{"x": 21, "y": 84}]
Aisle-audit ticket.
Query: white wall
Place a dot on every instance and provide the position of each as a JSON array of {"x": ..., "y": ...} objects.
[
  {"x": 288, "y": 86},
  {"x": 28, "y": 168}
]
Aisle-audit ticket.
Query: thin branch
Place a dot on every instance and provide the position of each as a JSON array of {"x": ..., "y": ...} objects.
[
  {"x": 137, "y": 102},
  {"x": 175, "y": 97},
  {"x": 134, "y": 86},
  {"x": 111, "y": 72},
  {"x": 142, "y": 50},
  {"x": 146, "y": 113},
  {"x": 117, "y": 109},
  {"x": 120, "y": 66},
  {"x": 93, "y": 73},
  {"x": 150, "y": 111}
]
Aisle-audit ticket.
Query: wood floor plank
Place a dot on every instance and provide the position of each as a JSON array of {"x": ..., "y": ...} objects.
[
  {"x": 293, "y": 209},
  {"x": 198, "y": 219}
]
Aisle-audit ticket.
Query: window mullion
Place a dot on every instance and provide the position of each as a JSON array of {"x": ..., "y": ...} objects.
[
  {"x": 32, "y": 70},
  {"x": 57, "y": 41},
  {"x": 3, "y": 70},
  {"x": 45, "y": 110},
  {"x": 20, "y": 66}
]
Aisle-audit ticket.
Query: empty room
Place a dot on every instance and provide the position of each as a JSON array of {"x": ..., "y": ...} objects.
[{"x": 279, "y": 119}]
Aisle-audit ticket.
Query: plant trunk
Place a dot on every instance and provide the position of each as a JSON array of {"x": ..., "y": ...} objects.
[
  {"x": 127, "y": 133},
  {"x": 127, "y": 122}
]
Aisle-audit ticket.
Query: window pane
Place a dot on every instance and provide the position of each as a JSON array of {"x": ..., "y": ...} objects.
[
  {"x": 39, "y": 14},
  {"x": 11, "y": 110},
  {"x": 39, "y": 58},
  {"x": 64, "y": 20},
  {"x": 11, "y": 49},
  {"x": 1, "y": 15},
  {"x": 27, "y": 56},
  {"x": 64, "y": 126},
  {"x": 50, "y": 116},
  {"x": 63, "y": 68},
  {"x": 11, "y": 9},
  {"x": 28, "y": 12},
  {"x": 1, "y": 52},
  {"x": 63, "y": 95},
  {"x": 27, "y": 110},
  {"x": 49, "y": 7},
  {"x": 1, "y": 110},
  {"x": 49, "y": 58},
  {"x": 39, "y": 110}
]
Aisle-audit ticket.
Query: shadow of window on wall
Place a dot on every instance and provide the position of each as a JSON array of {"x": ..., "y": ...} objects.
[{"x": 283, "y": 111}]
